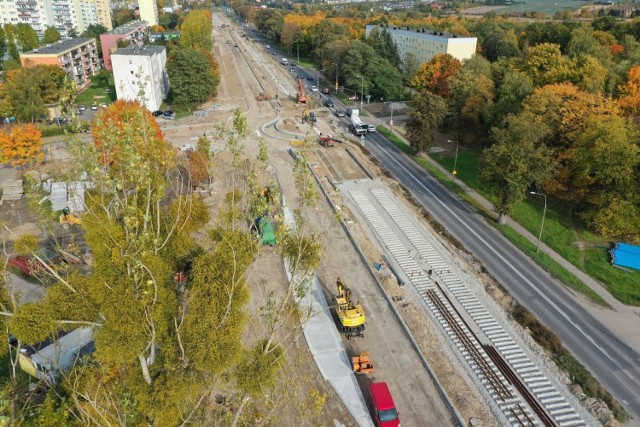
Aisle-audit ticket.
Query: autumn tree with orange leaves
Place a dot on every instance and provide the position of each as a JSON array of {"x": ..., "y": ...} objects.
[
  {"x": 21, "y": 145},
  {"x": 433, "y": 76},
  {"x": 629, "y": 99}
]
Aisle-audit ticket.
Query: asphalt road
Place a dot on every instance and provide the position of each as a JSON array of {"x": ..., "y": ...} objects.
[{"x": 612, "y": 362}]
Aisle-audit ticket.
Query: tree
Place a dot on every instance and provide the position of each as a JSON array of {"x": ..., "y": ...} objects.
[
  {"x": 545, "y": 64},
  {"x": 26, "y": 37},
  {"x": 191, "y": 76},
  {"x": 429, "y": 112},
  {"x": 196, "y": 31},
  {"x": 500, "y": 44},
  {"x": 380, "y": 40},
  {"x": 590, "y": 75},
  {"x": 20, "y": 145},
  {"x": 3, "y": 44},
  {"x": 510, "y": 94},
  {"x": 517, "y": 160},
  {"x": 121, "y": 16},
  {"x": 72, "y": 33},
  {"x": 31, "y": 87},
  {"x": 434, "y": 75},
  {"x": 471, "y": 98},
  {"x": 629, "y": 99},
  {"x": 410, "y": 66},
  {"x": 51, "y": 35}
]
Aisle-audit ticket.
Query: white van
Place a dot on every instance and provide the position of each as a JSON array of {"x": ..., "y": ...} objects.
[{"x": 285, "y": 61}]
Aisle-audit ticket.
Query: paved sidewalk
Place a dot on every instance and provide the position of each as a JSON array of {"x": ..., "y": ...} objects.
[{"x": 622, "y": 320}]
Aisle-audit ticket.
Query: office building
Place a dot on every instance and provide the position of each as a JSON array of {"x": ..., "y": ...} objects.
[
  {"x": 78, "y": 57},
  {"x": 134, "y": 32},
  {"x": 136, "y": 68},
  {"x": 425, "y": 44}
]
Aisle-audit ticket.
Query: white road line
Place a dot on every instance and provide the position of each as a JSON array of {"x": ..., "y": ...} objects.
[{"x": 515, "y": 270}]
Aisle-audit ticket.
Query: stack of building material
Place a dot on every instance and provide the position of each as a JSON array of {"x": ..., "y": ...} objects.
[
  {"x": 11, "y": 184},
  {"x": 58, "y": 196}
]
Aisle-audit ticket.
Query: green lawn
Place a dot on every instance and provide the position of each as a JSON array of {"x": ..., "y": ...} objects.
[
  {"x": 565, "y": 234},
  {"x": 86, "y": 97}
]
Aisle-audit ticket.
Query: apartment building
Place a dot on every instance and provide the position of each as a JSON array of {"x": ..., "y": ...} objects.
[
  {"x": 62, "y": 14},
  {"x": 135, "y": 32},
  {"x": 425, "y": 44},
  {"x": 148, "y": 11},
  {"x": 141, "y": 67},
  {"x": 77, "y": 57}
]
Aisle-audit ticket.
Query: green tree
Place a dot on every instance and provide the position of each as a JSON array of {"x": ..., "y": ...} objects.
[
  {"x": 196, "y": 31},
  {"x": 93, "y": 31},
  {"x": 471, "y": 98},
  {"x": 51, "y": 35},
  {"x": 500, "y": 44},
  {"x": 380, "y": 40},
  {"x": 3, "y": 43},
  {"x": 191, "y": 76},
  {"x": 26, "y": 37},
  {"x": 517, "y": 160},
  {"x": 515, "y": 88},
  {"x": 545, "y": 64},
  {"x": 410, "y": 66},
  {"x": 429, "y": 113},
  {"x": 120, "y": 16}
]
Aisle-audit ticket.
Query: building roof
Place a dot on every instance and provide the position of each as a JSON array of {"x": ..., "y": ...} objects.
[
  {"x": 128, "y": 27},
  {"x": 60, "y": 47},
  {"x": 419, "y": 32},
  {"x": 147, "y": 50}
]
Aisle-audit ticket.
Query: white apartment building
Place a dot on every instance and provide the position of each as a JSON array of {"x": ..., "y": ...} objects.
[
  {"x": 425, "y": 44},
  {"x": 148, "y": 11},
  {"x": 62, "y": 14},
  {"x": 138, "y": 67}
]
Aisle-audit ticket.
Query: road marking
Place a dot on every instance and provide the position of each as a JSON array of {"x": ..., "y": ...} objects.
[{"x": 514, "y": 269}]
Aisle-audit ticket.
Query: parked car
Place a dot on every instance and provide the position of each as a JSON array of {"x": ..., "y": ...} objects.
[
  {"x": 168, "y": 113},
  {"x": 103, "y": 105},
  {"x": 328, "y": 103},
  {"x": 94, "y": 107},
  {"x": 157, "y": 113},
  {"x": 314, "y": 89},
  {"x": 325, "y": 90},
  {"x": 384, "y": 409},
  {"x": 340, "y": 113},
  {"x": 81, "y": 107}
]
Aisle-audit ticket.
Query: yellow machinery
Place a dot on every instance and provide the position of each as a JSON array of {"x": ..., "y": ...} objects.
[
  {"x": 362, "y": 364},
  {"x": 69, "y": 218},
  {"x": 351, "y": 316}
]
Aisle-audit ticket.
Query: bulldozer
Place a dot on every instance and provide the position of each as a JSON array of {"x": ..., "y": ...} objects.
[
  {"x": 351, "y": 316},
  {"x": 362, "y": 364}
]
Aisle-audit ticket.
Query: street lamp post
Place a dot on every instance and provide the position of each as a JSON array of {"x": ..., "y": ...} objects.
[
  {"x": 455, "y": 161},
  {"x": 361, "y": 92},
  {"x": 544, "y": 212},
  {"x": 391, "y": 120},
  {"x": 337, "y": 72}
]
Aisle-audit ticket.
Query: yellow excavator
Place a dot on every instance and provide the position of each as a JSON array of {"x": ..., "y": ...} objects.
[{"x": 351, "y": 316}]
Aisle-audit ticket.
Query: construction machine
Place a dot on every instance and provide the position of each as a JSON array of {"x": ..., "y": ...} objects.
[
  {"x": 362, "y": 364},
  {"x": 264, "y": 97},
  {"x": 351, "y": 316},
  {"x": 302, "y": 98}
]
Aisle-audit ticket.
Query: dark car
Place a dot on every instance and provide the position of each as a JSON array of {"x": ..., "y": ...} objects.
[
  {"x": 309, "y": 77},
  {"x": 328, "y": 103},
  {"x": 300, "y": 76},
  {"x": 157, "y": 113},
  {"x": 325, "y": 90},
  {"x": 168, "y": 113},
  {"x": 340, "y": 113},
  {"x": 293, "y": 64},
  {"x": 235, "y": 45}
]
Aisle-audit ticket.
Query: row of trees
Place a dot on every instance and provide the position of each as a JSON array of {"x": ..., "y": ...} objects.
[{"x": 549, "y": 123}]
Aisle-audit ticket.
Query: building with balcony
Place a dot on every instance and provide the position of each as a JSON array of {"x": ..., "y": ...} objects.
[
  {"x": 62, "y": 14},
  {"x": 134, "y": 32},
  {"x": 136, "y": 68},
  {"x": 77, "y": 57},
  {"x": 425, "y": 44}
]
